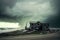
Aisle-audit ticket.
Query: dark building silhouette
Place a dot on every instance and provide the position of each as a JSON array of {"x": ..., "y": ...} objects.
[{"x": 38, "y": 26}]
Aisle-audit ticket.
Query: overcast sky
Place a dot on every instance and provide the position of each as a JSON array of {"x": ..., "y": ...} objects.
[{"x": 24, "y": 11}]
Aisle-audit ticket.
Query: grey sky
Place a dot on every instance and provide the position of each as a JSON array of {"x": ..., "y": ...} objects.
[{"x": 25, "y": 11}]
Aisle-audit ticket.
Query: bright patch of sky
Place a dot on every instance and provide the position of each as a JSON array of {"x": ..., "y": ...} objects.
[{"x": 9, "y": 25}]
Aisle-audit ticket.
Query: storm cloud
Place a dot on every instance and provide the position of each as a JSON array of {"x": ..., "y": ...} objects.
[
  {"x": 54, "y": 20},
  {"x": 24, "y": 11},
  {"x": 4, "y": 4}
]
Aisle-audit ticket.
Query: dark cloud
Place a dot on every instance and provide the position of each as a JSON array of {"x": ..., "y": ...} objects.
[
  {"x": 38, "y": 12},
  {"x": 55, "y": 20},
  {"x": 3, "y": 6}
]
